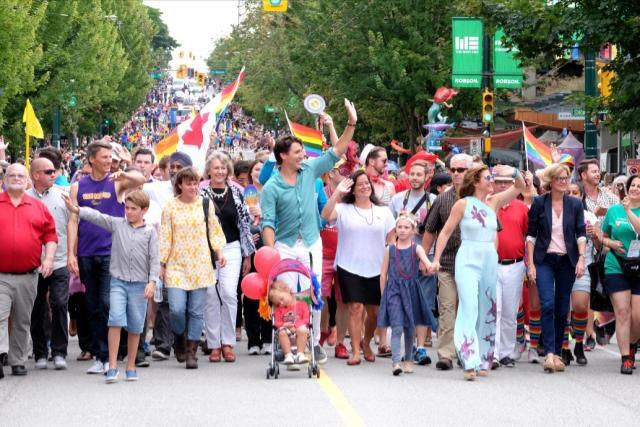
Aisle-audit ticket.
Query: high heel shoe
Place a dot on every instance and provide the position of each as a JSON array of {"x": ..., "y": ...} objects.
[{"x": 469, "y": 375}]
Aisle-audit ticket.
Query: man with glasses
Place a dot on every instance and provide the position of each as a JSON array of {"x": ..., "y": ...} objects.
[
  {"x": 43, "y": 174},
  {"x": 376, "y": 166},
  {"x": 447, "y": 293},
  {"x": 27, "y": 226}
]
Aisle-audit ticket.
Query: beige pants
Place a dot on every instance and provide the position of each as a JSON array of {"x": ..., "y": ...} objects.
[
  {"x": 17, "y": 295},
  {"x": 447, "y": 306}
]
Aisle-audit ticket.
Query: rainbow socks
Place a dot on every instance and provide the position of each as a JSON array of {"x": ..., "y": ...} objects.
[
  {"x": 579, "y": 321},
  {"x": 535, "y": 328}
]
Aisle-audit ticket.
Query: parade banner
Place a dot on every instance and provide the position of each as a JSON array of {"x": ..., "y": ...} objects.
[
  {"x": 467, "y": 52},
  {"x": 507, "y": 72}
]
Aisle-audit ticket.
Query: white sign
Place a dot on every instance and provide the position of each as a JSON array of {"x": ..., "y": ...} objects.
[
  {"x": 468, "y": 44},
  {"x": 568, "y": 115},
  {"x": 475, "y": 147}
]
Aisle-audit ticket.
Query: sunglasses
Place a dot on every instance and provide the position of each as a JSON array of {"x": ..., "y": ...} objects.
[
  {"x": 48, "y": 171},
  {"x": 488, "y": 178},
  {"x": 458, "y": 170}
]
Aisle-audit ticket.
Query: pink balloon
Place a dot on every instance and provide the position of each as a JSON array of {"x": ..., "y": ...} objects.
[
  {"x": 254, "y": 286},
  {"x": 265, "y": 259}
]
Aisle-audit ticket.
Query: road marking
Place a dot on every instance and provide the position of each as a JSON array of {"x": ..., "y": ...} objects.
[
  {"x": 339, "y": 401},
  {"x": 606, "y": 350}
]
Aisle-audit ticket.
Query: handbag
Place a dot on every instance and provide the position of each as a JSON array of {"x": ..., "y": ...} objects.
[
  {"x": 599, "y": 300},
  {"x": 205, "y": 208},
  {"x": 630, "y": 265}
]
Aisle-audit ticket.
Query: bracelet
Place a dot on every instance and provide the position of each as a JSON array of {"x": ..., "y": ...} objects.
[{"x": 351, "y": 124}]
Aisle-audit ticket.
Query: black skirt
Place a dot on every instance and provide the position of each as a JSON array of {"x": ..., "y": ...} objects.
[{"x": 354, "y": 288}]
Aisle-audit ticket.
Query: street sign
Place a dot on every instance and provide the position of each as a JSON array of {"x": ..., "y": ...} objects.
[
  {"x": 218, "y": 72},
  {"x": 275, "y": 5},
  {"x": 571, "y": 115},
  {"x": 467, "y": 52},
  {"x": 507, "y": 72}
]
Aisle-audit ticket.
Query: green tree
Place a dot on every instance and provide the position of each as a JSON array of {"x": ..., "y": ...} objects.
[
  {"x": 162, "y": 42},
  {"x": 387, "y": 57},
  {"x": 544, "y": 32},
  {"x": 20, "y": 51}
]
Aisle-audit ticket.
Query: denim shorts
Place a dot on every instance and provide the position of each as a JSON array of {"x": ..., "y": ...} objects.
[{"x": 128, "y": 306}]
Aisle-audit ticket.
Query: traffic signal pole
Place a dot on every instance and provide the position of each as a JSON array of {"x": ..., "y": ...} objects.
[
  {"x": 590, "y": 86},
  {"x": 486, "y": 88}
]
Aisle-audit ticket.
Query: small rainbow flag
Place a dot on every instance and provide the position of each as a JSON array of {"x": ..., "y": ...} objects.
[
  {"x": 311, "y": 138},
  {"x": 167, "y": 145},
  {"x": 538, "y": 152}
]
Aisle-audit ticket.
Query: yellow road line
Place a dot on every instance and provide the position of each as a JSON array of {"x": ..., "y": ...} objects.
[{"x": 339, "y": 401}]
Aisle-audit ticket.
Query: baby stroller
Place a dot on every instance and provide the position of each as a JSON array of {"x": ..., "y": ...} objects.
[{"x": 310, "y": 294}]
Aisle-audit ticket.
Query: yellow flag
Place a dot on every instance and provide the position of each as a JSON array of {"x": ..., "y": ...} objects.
[
  {"x": 32, "y": 127},
  {"x": 275, "y": 5}
]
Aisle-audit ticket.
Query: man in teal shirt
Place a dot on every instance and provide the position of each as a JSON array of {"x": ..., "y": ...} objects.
[{"x": 290, "y": 218}]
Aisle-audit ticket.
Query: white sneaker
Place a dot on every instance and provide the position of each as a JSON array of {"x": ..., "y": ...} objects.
[
  {"x": 59, "y": 362},
  {"x": 533, "y": 356},
  {"x": 288, "y": 359},
  {"x": 254, "y": 350},
  {"x": 97, "y": 367},
  {"x": 293, "y": 367},
  {"x": 266, "y": 349},
  {"x": 41, "y": 363},
  {"x": 301, "y": 358}
]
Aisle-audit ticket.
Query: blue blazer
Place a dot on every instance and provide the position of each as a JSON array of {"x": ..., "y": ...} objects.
[{"x": 540, "y": 216}]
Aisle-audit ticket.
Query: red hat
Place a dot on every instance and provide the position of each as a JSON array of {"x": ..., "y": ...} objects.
[{"x": 422, "y": 155}]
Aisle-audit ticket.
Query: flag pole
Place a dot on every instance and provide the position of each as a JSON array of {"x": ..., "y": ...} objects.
[
  {"x": 26, "y": 153},
  {"x": 526, "y": 153}
]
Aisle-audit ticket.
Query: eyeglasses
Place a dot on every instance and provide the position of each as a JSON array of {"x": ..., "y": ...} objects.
[
  {"x": 458, "y": 170},
  {"x": 488, "y": 178},
  {"x": 561, "y": 178},
  {"x": 48, "y": 171},
  {"x": 16, "y": 176}
]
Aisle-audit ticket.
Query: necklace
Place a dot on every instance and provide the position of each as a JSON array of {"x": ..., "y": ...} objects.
[
  {"x": 220, "y": 196},
  {"x": 363, "y": 216},
  {"x": 399, "y": 265}
]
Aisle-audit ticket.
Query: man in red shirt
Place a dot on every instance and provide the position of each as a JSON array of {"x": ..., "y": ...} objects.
[
  {"x": 513, "y": 219},
  {"x": 27, "y": 226}
]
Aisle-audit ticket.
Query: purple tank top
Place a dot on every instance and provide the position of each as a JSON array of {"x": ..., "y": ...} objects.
[{"x": 101, "y": 196}]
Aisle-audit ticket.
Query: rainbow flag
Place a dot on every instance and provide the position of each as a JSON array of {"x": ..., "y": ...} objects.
[
  {"x": 538, "y": 152},
  {"x": 227, "y": 94},
  {"x": 311, "y": 138},
  {"x": 167, "y": 145}
]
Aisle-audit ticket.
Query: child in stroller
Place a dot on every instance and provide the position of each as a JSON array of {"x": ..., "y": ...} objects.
[{"x": 290, "y": 318}]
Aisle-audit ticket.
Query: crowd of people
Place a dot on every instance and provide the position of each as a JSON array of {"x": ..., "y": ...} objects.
[{"x": 485, "y": 264}]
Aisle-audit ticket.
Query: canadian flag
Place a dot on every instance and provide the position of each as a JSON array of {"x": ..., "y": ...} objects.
[{"x": 193, "y": 136}]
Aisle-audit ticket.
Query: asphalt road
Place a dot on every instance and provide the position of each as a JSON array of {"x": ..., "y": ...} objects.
[{"x": 239, "y": 394}]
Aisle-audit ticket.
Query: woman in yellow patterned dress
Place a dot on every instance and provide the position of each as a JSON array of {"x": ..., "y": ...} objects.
[{"x": 185, "y": 259}]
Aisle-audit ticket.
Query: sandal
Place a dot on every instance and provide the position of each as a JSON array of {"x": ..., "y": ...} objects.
[
  {"x": 408, "y": 367},
  {"x": 84, "y": 356},
  {"x": 214, "y": 356},
  {"x": 227, "y": 354},
  {"x": 428, "y": 342},
  {"x": 353, "y": 362},
  {"x": 384, "y": 351}
]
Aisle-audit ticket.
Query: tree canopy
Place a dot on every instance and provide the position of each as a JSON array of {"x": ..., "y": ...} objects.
[
  {"x": 544, "y": 32},
  {"x": 89, "y": 58},
  {"x": 387, "y": 57}
]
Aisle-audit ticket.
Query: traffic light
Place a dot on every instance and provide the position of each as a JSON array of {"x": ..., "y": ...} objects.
[
  {"x": 201, "y": 77},
  {"x": 604, "y": 86},
  {"x": 487, "y": 106},
  {"x": 182, "y": 72}
]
